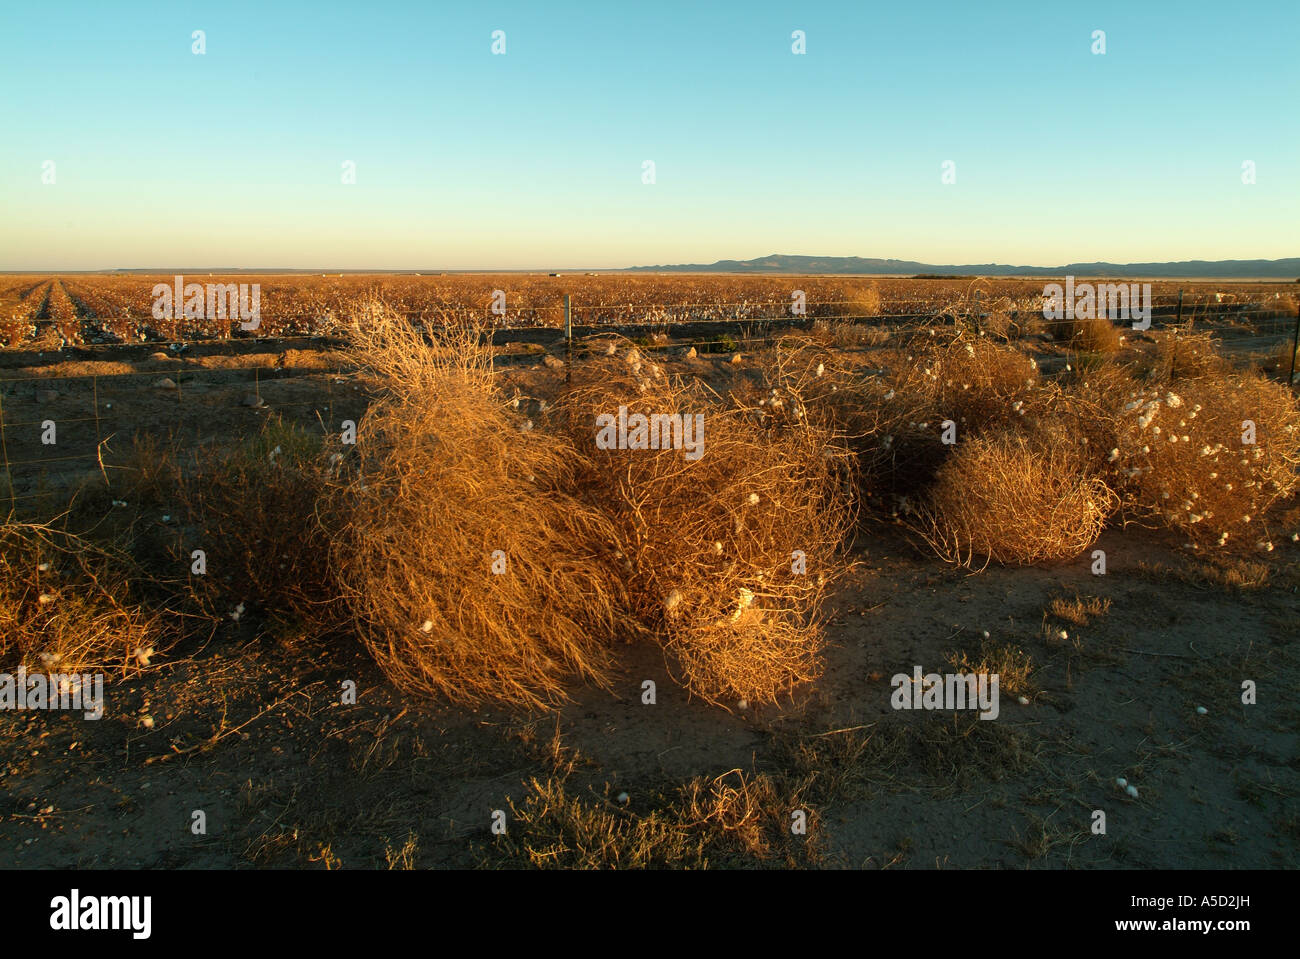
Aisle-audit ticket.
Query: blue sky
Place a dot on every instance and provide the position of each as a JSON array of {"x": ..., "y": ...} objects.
[{"x": 532, "y": 159}]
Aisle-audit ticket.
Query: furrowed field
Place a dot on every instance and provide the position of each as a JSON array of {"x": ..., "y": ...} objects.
[{"x": 364, "y": 585}]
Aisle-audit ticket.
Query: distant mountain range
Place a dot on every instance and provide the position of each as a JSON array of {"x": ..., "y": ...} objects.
[{"x": 1288, "y": 268}]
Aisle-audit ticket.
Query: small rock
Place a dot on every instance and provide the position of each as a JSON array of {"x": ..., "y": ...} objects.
[
  {"x": 735, "y": 359},
  {"x": 743, "y": 704},
  {"x": 1132, "y": 791},
  {"x": 691, "y": 354},
  {"x": 623, "y": 799},
  {"x": 160, "y": 357},
  {"x": 1201, "y": 711},
  {"x": 1121, "y": 782},
  {"x": 553, "y": 363},
  {"x": 1023, "y": 700},
  {"x": 166, "y": 383}
]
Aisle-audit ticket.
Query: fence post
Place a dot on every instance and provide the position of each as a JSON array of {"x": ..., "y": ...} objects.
[
  {"x": 1295, "y": 345},
  {"x": 568, "y": 340},
  {"x": 1173, "y": 350}
]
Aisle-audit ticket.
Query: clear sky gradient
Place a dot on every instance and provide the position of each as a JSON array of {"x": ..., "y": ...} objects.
[{"x": 533, "y": 159}]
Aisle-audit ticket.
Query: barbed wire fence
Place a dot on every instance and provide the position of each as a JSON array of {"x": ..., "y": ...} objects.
[{"x": 1244, "y": 326}]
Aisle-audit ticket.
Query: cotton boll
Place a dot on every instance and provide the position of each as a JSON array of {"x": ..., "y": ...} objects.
[{"x": 672, "y": 600}]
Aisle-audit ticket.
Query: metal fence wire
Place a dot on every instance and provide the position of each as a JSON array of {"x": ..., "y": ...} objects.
[{"x": 1244, "y": 327}]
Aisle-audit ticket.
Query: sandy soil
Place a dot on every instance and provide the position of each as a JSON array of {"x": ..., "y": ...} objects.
[{"x": 248, "y": 726}]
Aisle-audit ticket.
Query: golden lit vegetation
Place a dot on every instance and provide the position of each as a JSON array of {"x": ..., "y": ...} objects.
[
  {"x": 726, "y": 556},
  {"x": 470, "y": 571},
  {"x": 68, "y": 605}
]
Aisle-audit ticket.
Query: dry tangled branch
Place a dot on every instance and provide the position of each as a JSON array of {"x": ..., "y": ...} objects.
[
  {"x": 471, "y": 572},
  {"x": 727, "y": 555},
  {"x": 67, "y": 606}
]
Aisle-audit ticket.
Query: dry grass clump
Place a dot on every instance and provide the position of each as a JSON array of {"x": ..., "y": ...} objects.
[
  {"x": 1183, "y": 453},
  {"x": 970, "y": 380},
  {"x": 1014, "y": 667},
  {"x": 938, "y": 375},
  {"x": 1080, "y": 610},
  {"x": 856, "y": 300},
  {"x": 1282, "y": 304},
  {"x": 803, "y": 380},
  {"x": 66, "y": 605},
  {"x": 846, "y": 335},
  {"x": 1009, "y": 319},
  {"x": 1094, "y": 334},
  {"x": 726, "y": 556},
  {"x": 470, "y": 572},
  {"x": 732, "y": 819},
  {"x": 1014, "y": 499},
  {"x": 1282, "y": 360},
  {"x": 1184, "y": 355},
  {"x": 1087, "y": 411},
  {"x": 255, "y": 506}
]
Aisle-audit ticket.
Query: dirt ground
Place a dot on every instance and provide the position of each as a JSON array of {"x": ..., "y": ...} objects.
[{"x": 247, "y": 724}]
